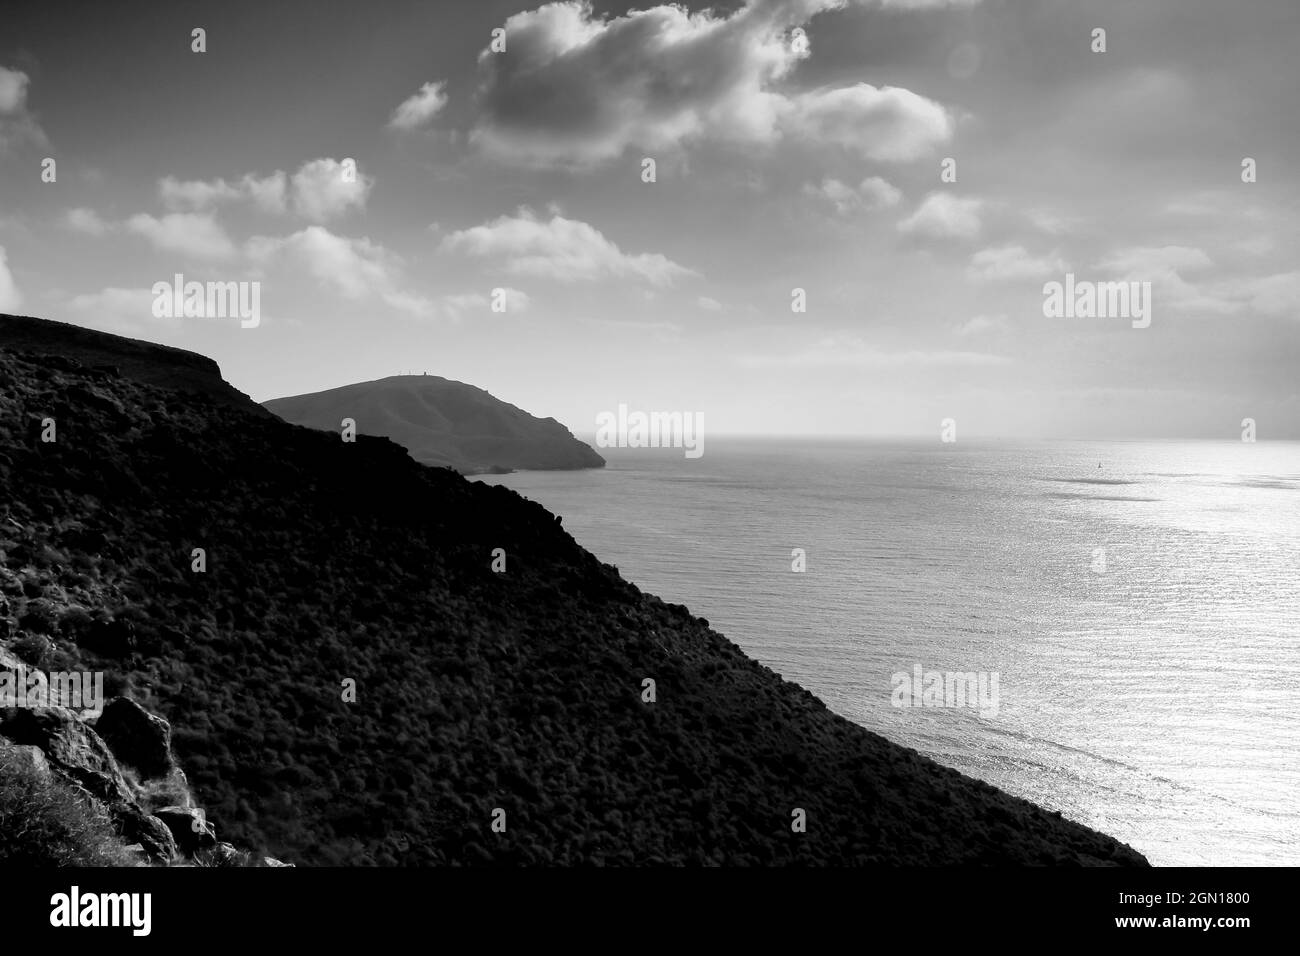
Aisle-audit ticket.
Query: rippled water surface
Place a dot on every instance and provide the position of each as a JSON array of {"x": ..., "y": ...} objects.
[{"x": 1139, "y": 603}]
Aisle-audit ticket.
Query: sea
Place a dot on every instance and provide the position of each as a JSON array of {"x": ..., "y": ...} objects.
[{"x": 1134, "y": 605}]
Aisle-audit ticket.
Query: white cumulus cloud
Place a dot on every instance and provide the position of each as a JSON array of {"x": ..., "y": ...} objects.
[
  {"x": 127, "y": 311},
  {"x": 1012, "y": 262},
  {"x": 87, "y": 222},
  {"x": 357, "y": 269},
  {"x": 1166, "y": 268},
  {"x": 324, "y": 189},
  {"x": 197, "y": 235},
  {"x": 267, "y": 193},
  {"x": 566, "y": 250},
  {"x": 872, "y": 193},
  {"x": 886, "y": 123},
  {"x": 942, "y": 215},
  {"x": 575, "y": 88},
  {"x": 420, "y": 107},
  {"x": 17, "y": 125},
  {"x": 10, "y": 298}
]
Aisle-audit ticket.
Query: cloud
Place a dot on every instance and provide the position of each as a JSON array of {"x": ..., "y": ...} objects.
[
  {"x": 887, "y": 124},
  {"x": 267, "y": 193},
  {"x": 872, "y": 193},
  {"x": 516, "y": 301},
  {"x": 1277, "y": 295},
  {"x": 421, "y": 107},
  {"x": 980, "y": 324},
  {"x": 1168, "y": 268},
  {"x": 322, "y": 191},
  {"x": 1012, "y": 262},
  {"x": 17, "y": 125},
  {"x": 194, "y": 194},
  {"x": 357, "y": 269},
  {"x": 1255, "y": 246},
  {"x": 843, "y": 352},
  {"x": 575, "y": 89},
  {"x": 566, "y": 250},
  {"x": 125, "y": 310},
  {"x": 1052, "y": 223},
  {"x": 944, "y": 216},
  {"x": 87, "y": 222},
  {"x": 13, "y": 91},
  {"x": 1201, "y": 203},
  {"x": 708, "y": 304},
  {"x": 455, "y": 306},
  {"x": 1157, "y": 259},
  {"x": 1163, "y": 267},
  {"x": 658, "y": 330},
  {"x": 197, "y": 235},
  {"x": 10, "y": 298}
]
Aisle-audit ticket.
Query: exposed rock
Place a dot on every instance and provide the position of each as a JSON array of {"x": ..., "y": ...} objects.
[
  {"x": 9, "y": 660},
  {"x": 28, "y": 757},
  {"x": 136, "y": 737},
  {"x": 223, "y": 854},
  {"x": 188, "y": 825},
  {"x": 153, "y": 835},
  {"x": 54, "y": 737},
  {"x": 71, "y": 747},
  {"x": 54, "y": 741}
]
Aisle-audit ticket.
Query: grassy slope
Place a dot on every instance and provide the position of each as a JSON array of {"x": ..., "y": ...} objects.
[{"x": 476, "y": 690}]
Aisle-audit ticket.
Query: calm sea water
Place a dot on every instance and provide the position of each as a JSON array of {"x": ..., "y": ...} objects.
[{"x": 1157, "y": 700}]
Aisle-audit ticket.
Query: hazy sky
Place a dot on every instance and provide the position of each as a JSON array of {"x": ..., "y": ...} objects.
[{"x": 784, "y": 160}]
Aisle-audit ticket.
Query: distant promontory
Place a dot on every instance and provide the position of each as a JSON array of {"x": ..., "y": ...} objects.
[{"x": 443, "y": 423}]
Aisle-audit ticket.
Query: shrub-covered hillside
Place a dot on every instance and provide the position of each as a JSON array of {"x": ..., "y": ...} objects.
[{"x": 329, "y": 562}]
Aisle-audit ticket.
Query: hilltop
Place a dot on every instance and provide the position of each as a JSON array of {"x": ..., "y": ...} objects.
[
  {"x": 331, "y": 565},
  {"x": 443, "y": 423},
  {"x": 134, "y": 359}
]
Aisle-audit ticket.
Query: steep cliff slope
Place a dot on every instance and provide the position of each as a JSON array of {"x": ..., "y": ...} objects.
[{"x": 349, "y": 680}]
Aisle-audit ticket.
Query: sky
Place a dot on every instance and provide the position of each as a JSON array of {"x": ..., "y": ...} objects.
[{"x": 796, "y": 145}]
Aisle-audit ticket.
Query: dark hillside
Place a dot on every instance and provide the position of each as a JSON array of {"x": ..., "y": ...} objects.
[
  {"x": 135, "y": 359},
  {"x": 476, "y": 690},
  {"x": 443, "y": 423}
]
